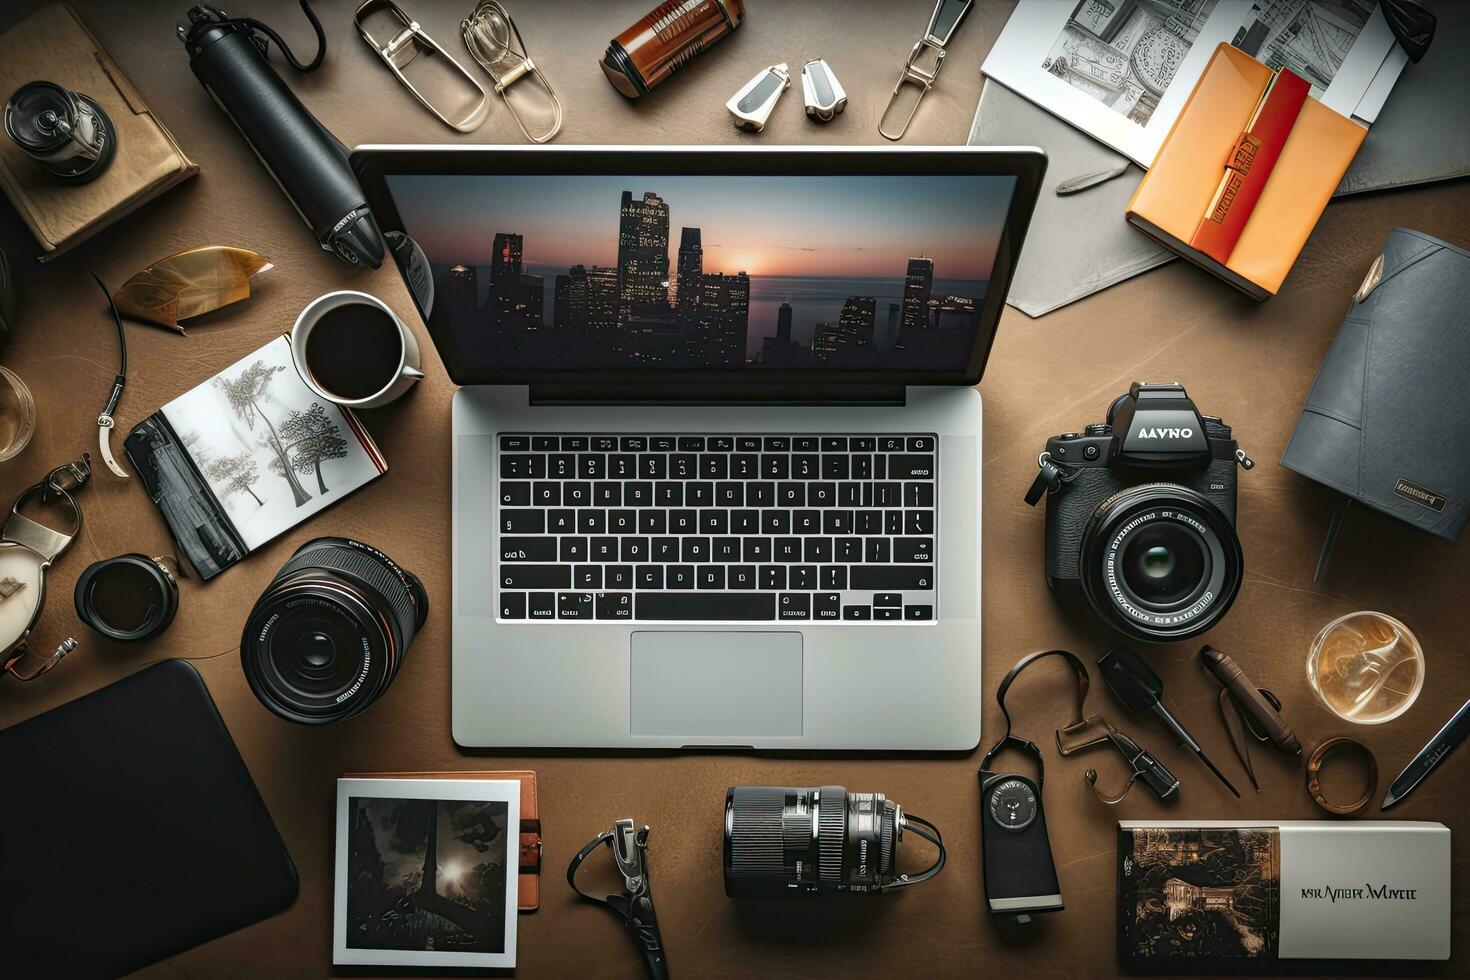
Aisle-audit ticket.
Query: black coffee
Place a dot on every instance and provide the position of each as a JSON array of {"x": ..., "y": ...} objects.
[
  {"x": 125, "y": 596},
  {"x": 354, "y": 351}
]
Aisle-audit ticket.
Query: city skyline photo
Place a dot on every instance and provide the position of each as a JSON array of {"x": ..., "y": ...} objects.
[{"x": 701, "y": 271}]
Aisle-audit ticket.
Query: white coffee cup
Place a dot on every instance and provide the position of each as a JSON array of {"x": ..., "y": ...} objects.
[{"x": 403, "y": 377}]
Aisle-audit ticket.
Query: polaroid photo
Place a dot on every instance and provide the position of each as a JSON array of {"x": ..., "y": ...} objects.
[{"x": 426, "y": 872}]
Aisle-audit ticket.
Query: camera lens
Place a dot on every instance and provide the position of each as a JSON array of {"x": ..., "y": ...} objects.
[
  {"x": 784, "y": 840},
  {"x": 329, "y": 633},
  {"x": 1160, "y": 562}
]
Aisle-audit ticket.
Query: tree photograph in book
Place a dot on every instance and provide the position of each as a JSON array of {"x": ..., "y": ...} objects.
[{"x": 272, "y": 450}]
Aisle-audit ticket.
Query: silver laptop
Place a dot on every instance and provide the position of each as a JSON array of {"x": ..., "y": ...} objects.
[{"x": 717, "y": 449}]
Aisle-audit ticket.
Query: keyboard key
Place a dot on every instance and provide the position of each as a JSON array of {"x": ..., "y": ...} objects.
[
  {"x": 622, "y": 466},
  {"x": 649, "y": 577},
  {"x": 773, "y": 577},
  {"x": 587, "y": 577},
  {"x": 515, "y": 494},
  {"x": 614, "y": 605},
  {"x": 512, "y": 605},
  {"x": 562, "y": 521},
  {"x": 747, "y": 444},
  {"x": 915, "y": 578},
  {"x": 652, "y": 466},
  {"x": 756, "y": 549},
  {"x": 710, "y": 577},
  {"x": 668, "y": 494},
  {"x": 803, "y": 577},
  {"x": 591, "y": 521},
  {"x": 691, "y": 444},
  {"x": 633, "y": 444},
  {"x": 605, "y": 444},
  {"x": 695, "y": 550},
  {"x": 772, "y": 467},
  {"x": 888, "y": 600},
  {"x": 826, "y": 605},
  {"x": 683, "y": 466},
  {"x": 721, "y": 444},
  {"x": 664, "y": 550},
  {"x": 834, "y": 444},
  {"x": 806, "y": 467},
  {"x": 745, "y": 466},
  {"x": 913, "y": 550},
  {"x": 918, "y": 495},
  {"x": 714, "y": 522},
  {"x": 849, "y": 550},
  {"x": 918, "y": 612},
  {"x": 857, "y": 612},
  {"x": 868, "y": 522},
  {"x": 663, "y": 444},
  {"x": 862, "y": 444},
  {"x": 876, "y": 551},
  {"x": 683, "y": 522},
  {"x": 887, "y": 494},
  {"x": 714, "y": 466},
  {"x": 788, "y": 549},
  {"x": 879, "y": 613},
  {"x": 622, "y": 521},
  {"x": 741, "y": 577},
  {"x": 794, "y": 605},
  {"x": 726, "y": 550},
  {"x": 822, "y": 494},
  {"x": 833, "y": 577},
  {"x": 806, "y": 444},
  {"x": 806, "y": 521},
  {"x": 522, "y": 467},
  {"x": 836, "y": 522},
  {"x": 791, "y": 494},
  {"x": 542, "y": 605},
  {"x": 849, "y": 494},
  {"x": 577, "y": 493},
  {"x": 890, "y": 444},
  {"x": 604, "y": 549},
  {"x": 910, "y": 467},
  {"x": 574, "y": 605},
  {"x": 893, "y": 523},
  {"x": 546, "y": 494},
  {"x": 699, "y": 494},
  {"x": 745, "y": 522},
  {"x": 760, "y": 494},
  {"x": 523, "y": 521},
  {"x": 561, "y": 466},
  {"x": 705, "y": 605},
  {"x": 527, "y": 549},
  {"x": 835, "y": 467},
  {"x": 607, "y": 494},
  {"x": 515, "y": 444},
  {"x": 638, "y": 493},
  {"x": 516, "y": 576},
  {"x": 918, "y": 522},
  {"x": 653, "y": 521},
  {"x": 817, "y": 549},
  {"x": 862, "y": 467},
  {"x": 729, "y": 494},
  {"x": 544, "y": 444},
  {"x": 634, "y": 550},
  {"x": 775, "y": 522},
  {"x": 574, "y": 549},
  {"x": 618, "y": 576},
  {"x": 921, "y": 444},
  {"x": 574, "y": 444},
  {"x": 680, "y": 576},
  {"x": 777, "y": 444}
]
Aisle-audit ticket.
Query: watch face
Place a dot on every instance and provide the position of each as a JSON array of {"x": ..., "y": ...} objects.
[{"x": 1013, "y": 804}]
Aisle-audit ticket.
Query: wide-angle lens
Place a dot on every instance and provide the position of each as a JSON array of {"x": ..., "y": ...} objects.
[{"x": 1160, "y": 562}]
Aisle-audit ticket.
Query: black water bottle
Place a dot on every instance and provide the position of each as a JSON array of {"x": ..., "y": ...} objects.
[{"x": 307, "y": 161}]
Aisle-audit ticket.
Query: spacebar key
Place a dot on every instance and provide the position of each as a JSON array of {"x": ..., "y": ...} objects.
[{"x": 704, "y": 605}]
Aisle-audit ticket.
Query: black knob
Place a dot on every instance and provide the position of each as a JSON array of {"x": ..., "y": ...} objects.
[{"x": 1098, "y": 429}]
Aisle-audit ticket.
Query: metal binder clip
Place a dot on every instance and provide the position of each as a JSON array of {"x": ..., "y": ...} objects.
[
  {"x": 752, "y": 105},
  {"x": 408, "y": 42},
  {"x": 822, "y": 92},
  {"x": 925, "y": 60},
  {"x": 494, "y": 41}
]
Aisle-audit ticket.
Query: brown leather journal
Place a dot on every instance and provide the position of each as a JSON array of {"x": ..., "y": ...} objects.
[
  {"x": 529, "y": 887},
  {"x": 54, "y": 45}
]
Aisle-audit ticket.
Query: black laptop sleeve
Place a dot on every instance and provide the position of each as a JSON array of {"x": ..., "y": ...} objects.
[
  {"x": 1387, "y": 421},
  {"x": 130, "y": 830}
]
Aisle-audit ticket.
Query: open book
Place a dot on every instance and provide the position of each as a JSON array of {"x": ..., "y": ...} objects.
[{"x": 246, "y": 455}]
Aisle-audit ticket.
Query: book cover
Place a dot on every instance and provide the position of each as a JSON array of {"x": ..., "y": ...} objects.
[{"x": 247, "y": 455}]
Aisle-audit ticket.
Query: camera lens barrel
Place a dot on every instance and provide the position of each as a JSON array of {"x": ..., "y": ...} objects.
[
  {"x": 785, "y": 840},
  {"x": 329, "y": 633}
]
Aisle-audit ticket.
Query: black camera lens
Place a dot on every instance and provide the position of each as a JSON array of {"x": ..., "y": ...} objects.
[
  {"x": 329, "y": 633},
  {"x": 784, "y": 841},
  {"x": 127, "y": 598},
  {"x": 1160, "y": 562}
]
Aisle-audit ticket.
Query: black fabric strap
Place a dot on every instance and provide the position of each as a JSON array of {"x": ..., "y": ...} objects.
[{"x": 1011, "y": 741}]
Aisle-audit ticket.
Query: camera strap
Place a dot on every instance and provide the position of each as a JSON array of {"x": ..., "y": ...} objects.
[
  {"x": 1081, "y": 733},
  {"x": 633, "y": 908},
  {"x": 261, "y": 35}
]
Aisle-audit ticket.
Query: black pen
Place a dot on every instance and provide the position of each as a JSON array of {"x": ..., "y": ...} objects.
[{"x": 1451, "y": 735}]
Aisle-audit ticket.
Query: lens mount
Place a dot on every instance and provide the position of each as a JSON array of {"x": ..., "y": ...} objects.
[{"x": 1160, "y": 562}]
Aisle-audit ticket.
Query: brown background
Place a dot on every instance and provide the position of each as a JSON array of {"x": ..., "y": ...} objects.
[{"x": 1251, "y": 364}]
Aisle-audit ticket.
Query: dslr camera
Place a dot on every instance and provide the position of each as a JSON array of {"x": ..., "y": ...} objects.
[{"x": 1140, "y": 515}]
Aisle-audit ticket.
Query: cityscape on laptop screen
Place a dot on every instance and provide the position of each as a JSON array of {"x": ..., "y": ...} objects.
[{"x": 708, "y": 272}]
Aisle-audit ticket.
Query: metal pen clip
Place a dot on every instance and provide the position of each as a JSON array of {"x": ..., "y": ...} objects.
[
  {"x": 628, "y": 843},
  {"x": 494, "y": 41},
  {"x": 921, "y": 69},
  {"x": 407, "y": 43}
]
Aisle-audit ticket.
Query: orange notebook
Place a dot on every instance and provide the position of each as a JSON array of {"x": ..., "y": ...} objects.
[
  {"x": 1245, "y": 172},
  {"x": 528, "y": 889}
]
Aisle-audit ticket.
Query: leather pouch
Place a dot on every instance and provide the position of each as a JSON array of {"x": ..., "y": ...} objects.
[{"x": 1384, "y": 422}]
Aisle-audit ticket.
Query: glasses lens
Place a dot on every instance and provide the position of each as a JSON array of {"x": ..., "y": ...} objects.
[{"x": 1164, "y": 564}]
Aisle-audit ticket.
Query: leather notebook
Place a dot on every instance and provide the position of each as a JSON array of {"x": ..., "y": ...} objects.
[
  {"x": 529, "y": 887},
  {"x": 1245, "y": 172},
  {"x": 1384, "y": 420},
  {"x": 54, "y": 45},
  {"x": 130, "y": 830}
]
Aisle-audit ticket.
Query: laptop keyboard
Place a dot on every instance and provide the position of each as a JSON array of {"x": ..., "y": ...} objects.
[{"x": 717, "y": 528}]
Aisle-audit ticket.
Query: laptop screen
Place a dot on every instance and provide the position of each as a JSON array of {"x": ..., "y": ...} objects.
[{"x": 586, "y": 272}]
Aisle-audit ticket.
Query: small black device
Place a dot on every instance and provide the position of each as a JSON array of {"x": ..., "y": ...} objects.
[
  {"x": 1140, "y": 515},
  {"x": 1020, "y": 875},
  {"x": 782, "y": 840},
  {"x": 127, "y": 598},
  {"x": 228, "y": 56},
  {"x": 634, "y": 907},
  {"x": 1137, "y": 688},
  {"x": 329, "y": 633}
]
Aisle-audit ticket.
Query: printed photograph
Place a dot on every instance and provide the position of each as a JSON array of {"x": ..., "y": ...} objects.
[
  {"x": 1201, "y": 894},
  {"x": 1124, "y": 53},
  {"x": 427, "y": 875},
  {"x": 576, "y": 272},
  {"x": 1311, "y": 38},
  {"x": 273, "y": 451}
]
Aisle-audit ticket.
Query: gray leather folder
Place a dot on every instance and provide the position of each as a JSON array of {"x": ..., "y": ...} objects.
[{"x": 1385, "y": 421}]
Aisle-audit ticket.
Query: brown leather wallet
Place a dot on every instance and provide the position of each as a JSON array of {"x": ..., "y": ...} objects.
[{"x": 1314, "y": 768}]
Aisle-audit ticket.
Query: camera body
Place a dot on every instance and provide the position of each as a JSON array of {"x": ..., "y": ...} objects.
[{"x": 1140, "y": 520}]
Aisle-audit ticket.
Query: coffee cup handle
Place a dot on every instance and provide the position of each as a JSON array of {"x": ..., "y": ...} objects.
[{"x": 412, "y": 372}]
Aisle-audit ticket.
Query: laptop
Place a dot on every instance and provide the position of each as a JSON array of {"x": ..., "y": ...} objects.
[{"x": 716, "y": 447}]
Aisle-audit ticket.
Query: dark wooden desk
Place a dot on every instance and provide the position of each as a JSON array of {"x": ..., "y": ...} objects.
[{"x": 1251, "y": 364}]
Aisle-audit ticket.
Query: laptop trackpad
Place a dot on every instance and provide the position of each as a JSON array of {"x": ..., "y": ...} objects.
[{"x": 699, "y": 684}]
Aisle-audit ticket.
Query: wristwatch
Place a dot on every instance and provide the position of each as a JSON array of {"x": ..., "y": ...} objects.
[{"x": 1314, "y": 768}]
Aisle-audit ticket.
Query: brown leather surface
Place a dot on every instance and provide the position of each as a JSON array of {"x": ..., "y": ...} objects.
[{"x": 1250, "y": 363}]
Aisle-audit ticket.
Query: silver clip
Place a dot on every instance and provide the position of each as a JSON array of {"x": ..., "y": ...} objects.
[
  {"x": 822, "y": 92},
  {"x": 921, "y": 69},
  {"x": 494, "y": 41},
  {"x": 406, "y": 45},
  {"x": 752, "y": 105}
]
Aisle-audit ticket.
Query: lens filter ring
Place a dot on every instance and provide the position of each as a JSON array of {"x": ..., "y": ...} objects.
[{"x": 1160, "y": 562}]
